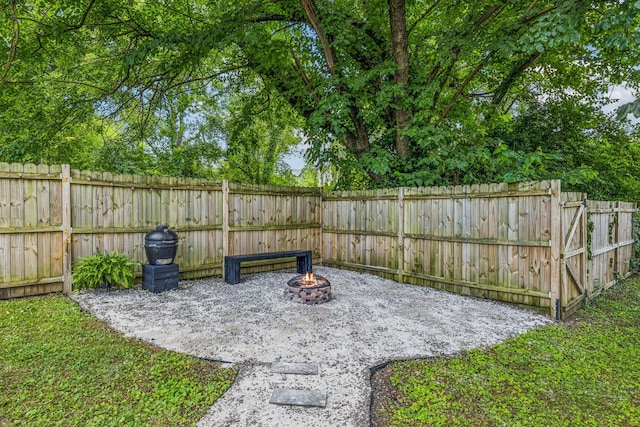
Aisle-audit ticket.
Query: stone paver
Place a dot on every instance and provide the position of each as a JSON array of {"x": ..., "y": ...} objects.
[
  {"x": 288, "y": 396},
  {"x": 295, "y": 368}
]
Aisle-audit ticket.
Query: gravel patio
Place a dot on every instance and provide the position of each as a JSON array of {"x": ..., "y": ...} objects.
[{"x": 251, "y": 325}]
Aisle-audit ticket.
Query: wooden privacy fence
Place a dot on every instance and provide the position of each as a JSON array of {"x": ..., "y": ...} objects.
[
  {"x": 528, "y": 243},
  {"x": 50, "y": 216},
  {"x": 524, "y": 243},
  {"x": 492, "y": 240},
  {"x": 610, "y": 242}
]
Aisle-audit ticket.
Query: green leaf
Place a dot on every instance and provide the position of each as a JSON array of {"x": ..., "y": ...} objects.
[{"x": 624, "y": 110}]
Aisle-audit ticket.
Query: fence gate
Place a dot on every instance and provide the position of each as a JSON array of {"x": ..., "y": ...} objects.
[{"x": 573, "y": 255}]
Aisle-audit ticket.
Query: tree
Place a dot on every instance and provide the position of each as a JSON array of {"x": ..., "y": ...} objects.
[
  {"x": 405, "y": 91},
  {"x": 181, "y": 134},
  {"x": 591, "y": 152},
  {"x": 48, "y": 98},
  {"x": 260, "y": 129}
]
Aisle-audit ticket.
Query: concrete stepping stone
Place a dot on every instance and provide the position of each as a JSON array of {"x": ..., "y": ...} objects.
[
  {"x": 295, "y": 368},
  {"x": 288, "y": 396}
]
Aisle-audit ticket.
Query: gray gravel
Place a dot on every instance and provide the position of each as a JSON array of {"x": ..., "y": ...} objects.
[{"x": 371, "y": 320}]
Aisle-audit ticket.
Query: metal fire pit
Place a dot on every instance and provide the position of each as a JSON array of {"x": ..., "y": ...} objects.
[{"x": 305, "y": 291}]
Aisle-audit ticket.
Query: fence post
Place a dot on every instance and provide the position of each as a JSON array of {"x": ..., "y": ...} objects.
[
  {"x": 400, "y": 235},
  {"x": 616, "y": 239},
  {"x": 586, "y": 268},
  {"x": 556, "y": 241},
  {"x": 320, "y": 244},
  {"x": 225, "y": 221},
  {"x": 65, "y": 177}
]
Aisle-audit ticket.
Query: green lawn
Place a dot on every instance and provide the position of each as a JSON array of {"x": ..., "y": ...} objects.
[
  {"x": 582, "y": 373},
  {"x": 59, "y": 366}
]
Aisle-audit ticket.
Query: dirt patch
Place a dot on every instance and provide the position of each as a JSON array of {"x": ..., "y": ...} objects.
[{"x": 382, "y": 394}]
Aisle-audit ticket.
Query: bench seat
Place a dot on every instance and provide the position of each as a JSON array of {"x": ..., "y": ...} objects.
[{"x": 232, "y": 262}]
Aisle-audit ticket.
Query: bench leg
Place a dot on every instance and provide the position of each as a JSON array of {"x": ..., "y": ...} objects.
[
  {"x": 227, "y": 270},
  {"x": 231, "y": 272},
  {"x": 235, "y": 276},
  {"x": 304, "y": 264}
]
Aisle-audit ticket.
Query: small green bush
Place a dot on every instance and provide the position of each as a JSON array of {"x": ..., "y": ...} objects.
[
  {"x": 635, "y": 260},
  {"x": 110, "y": 269}
]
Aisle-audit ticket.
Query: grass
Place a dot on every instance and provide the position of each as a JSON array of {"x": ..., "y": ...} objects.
[
  {"x": 582, "y": 373},
  {"x": 60, "y": 366}
]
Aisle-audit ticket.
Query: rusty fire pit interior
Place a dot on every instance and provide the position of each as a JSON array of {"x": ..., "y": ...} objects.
[{"x": 308, "y": 289}]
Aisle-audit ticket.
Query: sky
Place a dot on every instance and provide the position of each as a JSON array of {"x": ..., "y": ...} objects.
[{"x": 295, "y": 160}]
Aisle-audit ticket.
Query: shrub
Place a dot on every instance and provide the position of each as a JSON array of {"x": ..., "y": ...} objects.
[{"x": 108, "y": 269}]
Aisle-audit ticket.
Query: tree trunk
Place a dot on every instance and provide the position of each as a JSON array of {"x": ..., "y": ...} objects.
[{"x": 400, "y": 55}]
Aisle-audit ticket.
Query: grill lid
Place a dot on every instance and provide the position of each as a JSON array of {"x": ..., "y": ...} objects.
[{"x": 161, "y": 235}]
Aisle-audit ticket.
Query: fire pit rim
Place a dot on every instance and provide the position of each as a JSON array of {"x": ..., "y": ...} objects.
[{"x": 298, "y": 278}]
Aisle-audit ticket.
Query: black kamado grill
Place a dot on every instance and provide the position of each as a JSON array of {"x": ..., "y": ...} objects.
[
  {"x": 161, "y": 245},
  {"x": 161, "y": 274}
]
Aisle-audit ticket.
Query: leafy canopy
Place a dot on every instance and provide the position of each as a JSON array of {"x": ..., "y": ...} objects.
[{"x": 393, "y": 92}]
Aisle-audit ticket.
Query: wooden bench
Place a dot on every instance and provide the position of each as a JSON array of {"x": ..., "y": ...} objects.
[{"x": 232, "y": 262}]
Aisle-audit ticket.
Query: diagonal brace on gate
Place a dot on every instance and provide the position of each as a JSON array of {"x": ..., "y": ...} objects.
[{"x": 572, "y": 229}]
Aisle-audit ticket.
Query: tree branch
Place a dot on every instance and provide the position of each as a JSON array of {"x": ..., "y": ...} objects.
[
  {"x": 312, "y": 15},
  {"x": 502, "y": 90},
  {"x": 539, "y": 14},
  {"x": 423, "y": 16},
  {"x": 277, "y": 18},
  {"x": 447, "y": 74},
  {"x": 509, "y": 80},
  {"x": 204, "y": 78},
  {"x": 305, "y": 79},
  {"x": 13, "y": 49},
  {"x": 487, "y": 15},
  {"x": 358, "y": 141},
  {"x": 456, "y": 48},
  {"x": 533, "y": 3},
  {"x": 464, "y": 84},
  {"x": 83, "y": 18}
]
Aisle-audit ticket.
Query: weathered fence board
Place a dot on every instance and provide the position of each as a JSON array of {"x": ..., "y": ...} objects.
[
  {"x": 30, "y": 230},
  {"x": 610, "y": 245}
]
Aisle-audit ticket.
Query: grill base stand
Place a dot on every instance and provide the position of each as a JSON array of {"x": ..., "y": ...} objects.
[{"x": 160, "y": 278}]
